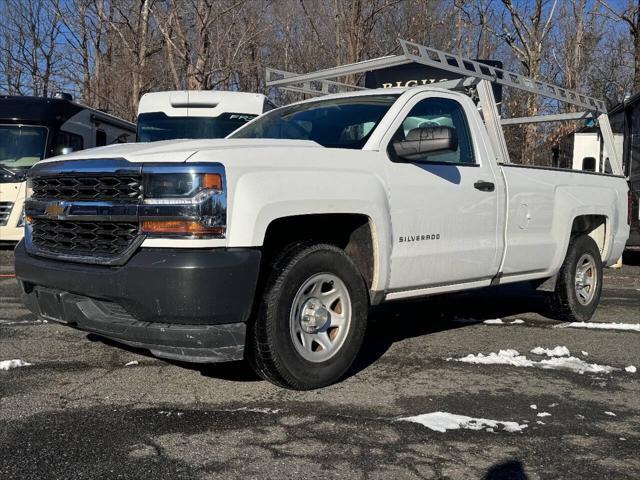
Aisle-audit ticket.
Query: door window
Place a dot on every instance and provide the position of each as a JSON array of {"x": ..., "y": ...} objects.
[{"x": 440, "y": 112}]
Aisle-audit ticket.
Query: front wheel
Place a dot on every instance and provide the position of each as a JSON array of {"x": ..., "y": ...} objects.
[
  {"x": 312, "y": 318},
  {"x": 579, "y": 283}
]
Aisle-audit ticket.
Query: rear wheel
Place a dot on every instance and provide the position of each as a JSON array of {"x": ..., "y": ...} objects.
[
  {"x": 579, "y": 283},
  {"x": 311, "y": 320}
]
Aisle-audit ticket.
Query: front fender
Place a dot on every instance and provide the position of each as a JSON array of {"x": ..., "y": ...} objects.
[{"x": 259, "y": 198}]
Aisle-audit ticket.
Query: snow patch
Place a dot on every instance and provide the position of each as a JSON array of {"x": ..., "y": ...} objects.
[
  {"x": 9, "y": 364},
  {"x": 513, "y": 358},
  {"x": 540, "y": 422},
  {"x": 602, "y": 326},
  {"x": 544, "y": 414},
  {"x": 584, "y": 354},
  {"x": 131, "y": 364},
  {"x": 499, "y": 321},
  {"x": 553, "y": 352},
  {"x": 443, "y": 421},
  {"x": 503, "y": 357},
  {"x": 533, "y": 407},
  {"x": 256, "y": 410},
  {"x": 630, "y": 369},
  {"x": 611, "y": 414}
]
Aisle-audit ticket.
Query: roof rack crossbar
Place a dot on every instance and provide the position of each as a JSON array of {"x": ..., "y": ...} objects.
[
  {"x": 341, "y": 71},
  {"x": 310, "y": 87},
  {"x": 548, "y": 118}
]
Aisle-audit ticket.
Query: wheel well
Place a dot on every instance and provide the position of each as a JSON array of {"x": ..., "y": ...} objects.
[
  {"x": 350, "y": 232},
  {"x": 593, "y": 225}
]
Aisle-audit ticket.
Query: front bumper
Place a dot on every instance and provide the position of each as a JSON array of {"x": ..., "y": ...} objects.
[{"x": 186, "y": 304}]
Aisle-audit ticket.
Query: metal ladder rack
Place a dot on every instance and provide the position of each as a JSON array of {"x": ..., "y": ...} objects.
[
  {"x": 318, "y": 83},
  {"x": 478, "y": 75}
]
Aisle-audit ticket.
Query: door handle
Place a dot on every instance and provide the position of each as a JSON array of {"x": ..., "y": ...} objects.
[{"x": 484, "y": 186}]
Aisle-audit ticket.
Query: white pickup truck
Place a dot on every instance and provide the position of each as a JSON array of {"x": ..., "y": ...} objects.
[{"x": 271, "y": 245}]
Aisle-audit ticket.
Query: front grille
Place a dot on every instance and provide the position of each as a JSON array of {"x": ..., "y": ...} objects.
[
  {"x": 104, "y": 188},
  {"x": 5, "y": 211},
  {"x": 77, "y": 238}
]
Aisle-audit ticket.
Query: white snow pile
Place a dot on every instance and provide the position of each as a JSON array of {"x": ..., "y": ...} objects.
[
  {"x": 131, "y": 364},
  {"x": 499, "y": 321},
  {"x": 443, "y": 421},
  {"x": 9, "y": 364},
  {"x": 552, "y": 352},
  {"x": 544, "y": 414},
  {"x": 630, "y": 369},
  {"x": 602, "y": 326},
  {"x": 562, "y": 362}
]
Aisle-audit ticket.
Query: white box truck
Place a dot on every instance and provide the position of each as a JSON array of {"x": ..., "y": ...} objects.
[{"x": 196, "y": 113}]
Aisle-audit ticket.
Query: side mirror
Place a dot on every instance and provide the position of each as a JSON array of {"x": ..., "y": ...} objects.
[
  {"x": 66, "y": 150},
  {"x": 423, "y": 140}
]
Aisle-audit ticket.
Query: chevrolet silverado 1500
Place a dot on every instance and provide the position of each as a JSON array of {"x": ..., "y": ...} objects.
[{"x": 271, "y": 245}]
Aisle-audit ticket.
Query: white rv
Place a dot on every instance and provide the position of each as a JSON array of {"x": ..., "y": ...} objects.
[
  {"x": 196, "y": 114},
  {"x": 33, "y": 128}
]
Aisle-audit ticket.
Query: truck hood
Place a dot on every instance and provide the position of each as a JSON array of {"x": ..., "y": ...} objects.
[{"x": 177, "y": 150}]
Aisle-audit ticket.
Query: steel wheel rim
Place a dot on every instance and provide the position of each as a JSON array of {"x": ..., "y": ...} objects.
[
  {"x": 319, "y": 340},
  {"x": 586, "y": 279}
]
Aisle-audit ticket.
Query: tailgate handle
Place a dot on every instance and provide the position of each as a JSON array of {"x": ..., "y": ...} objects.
[{"x": 484, "y": 186}]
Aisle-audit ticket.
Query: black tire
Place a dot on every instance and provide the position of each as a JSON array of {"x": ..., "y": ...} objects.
[
  {"x": 563, "y": 303},
  {"x": 270, "y": 346}
]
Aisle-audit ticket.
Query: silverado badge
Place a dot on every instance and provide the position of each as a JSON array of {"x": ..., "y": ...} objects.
[{"x": 54, "y": 210}]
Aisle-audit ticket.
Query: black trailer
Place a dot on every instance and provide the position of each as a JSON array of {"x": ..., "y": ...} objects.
[{"x": 625, "y": 121}]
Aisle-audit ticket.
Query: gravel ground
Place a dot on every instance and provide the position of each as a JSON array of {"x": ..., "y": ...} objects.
[{"x": 79, "y": 412}]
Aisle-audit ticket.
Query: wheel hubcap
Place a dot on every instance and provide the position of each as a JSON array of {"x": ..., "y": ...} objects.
[
  {"x": 320, "y": 317},
  {"x": 314, "y": 316},
  {"x": 586, "y": 280}
]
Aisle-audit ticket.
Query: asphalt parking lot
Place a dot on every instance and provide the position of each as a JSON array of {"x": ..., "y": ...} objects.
[{"x": 78, "y": 411}]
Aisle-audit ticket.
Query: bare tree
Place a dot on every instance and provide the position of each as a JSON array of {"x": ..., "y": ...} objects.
[
  {"x": 631, "y": 17},
  {"x": 30, "y": 47},
  {"x": 526, "y": 34}
]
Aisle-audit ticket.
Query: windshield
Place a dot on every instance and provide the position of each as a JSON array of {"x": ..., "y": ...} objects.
[
  {"x": 156, "y": 126},
  {"x": 21, "y": 146},
  {"x": 336, "y": 123}
]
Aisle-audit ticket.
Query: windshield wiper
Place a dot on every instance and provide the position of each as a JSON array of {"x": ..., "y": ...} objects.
[{"x": 15, "y": 175}]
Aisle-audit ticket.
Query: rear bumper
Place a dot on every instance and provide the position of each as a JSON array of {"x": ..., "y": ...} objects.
[{"x": 184, "y": 304}]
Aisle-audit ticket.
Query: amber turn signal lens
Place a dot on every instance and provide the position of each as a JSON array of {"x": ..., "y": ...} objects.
[
  {"x": 212, "y": 181},
  {"x": 180, "y": 227}
]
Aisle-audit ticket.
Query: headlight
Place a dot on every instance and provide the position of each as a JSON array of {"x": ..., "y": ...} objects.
[
  {"x": 183, "y": 187},
  {"x": 184, "y": 200}
]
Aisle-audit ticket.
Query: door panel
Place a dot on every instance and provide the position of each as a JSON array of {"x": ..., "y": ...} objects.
[{"x": 445, "y": 227}]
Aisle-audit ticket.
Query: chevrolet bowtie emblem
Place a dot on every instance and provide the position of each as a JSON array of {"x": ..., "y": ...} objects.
[{"x": 54, "y": 210}]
